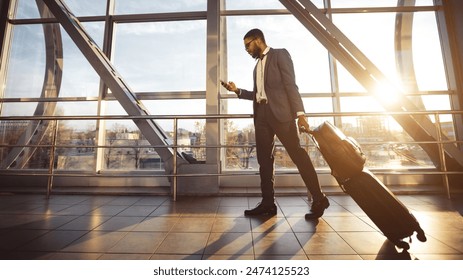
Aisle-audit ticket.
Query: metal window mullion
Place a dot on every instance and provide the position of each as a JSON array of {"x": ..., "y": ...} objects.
[
  {"x": 334, "y": 79},
  {"x": 103, "y": 89},
  {"x": 212, "y": 84},
  {"x": 6, "y": 30}
]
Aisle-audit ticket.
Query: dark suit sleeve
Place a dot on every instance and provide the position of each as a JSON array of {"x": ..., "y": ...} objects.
[
  {"x": 246, "y": 94},
  {"x": 288, "y": 77}
]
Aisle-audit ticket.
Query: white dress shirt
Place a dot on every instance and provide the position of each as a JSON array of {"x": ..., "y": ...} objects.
[{"x": 260, "y": 69}]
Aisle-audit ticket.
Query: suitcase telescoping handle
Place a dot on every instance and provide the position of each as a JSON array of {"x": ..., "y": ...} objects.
[{"x": 311, "y": 135}]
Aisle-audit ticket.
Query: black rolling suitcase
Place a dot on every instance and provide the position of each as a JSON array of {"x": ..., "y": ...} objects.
[{"x": 346, "y": 161}]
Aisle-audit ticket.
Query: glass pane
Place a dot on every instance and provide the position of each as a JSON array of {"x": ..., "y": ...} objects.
[
  {"x": 27, "y": 9},
  {"x": 347, "y": 82},
  {"x": 151, "y": 56},
  {"x": 177, "y": 108},
  {"x": 318, "y": 105},
  {"x": 376, "y": 3},
  {"x": 383, "y": 141},
  {"x": 87, "y": 7},
  {"x": 125, "y": 133},
  {"x": 96, "y": 31},
  {"x": 427, "y": 53},
  {"x": 79, "y": 140},
  {"x": 360, "y": 104},
  {"x": 447, "y": 127},
  {"x": 159, "y": 6},
  {"x": 79, "y": 77},
  {"x": 78, "y": 136},
  {"x": 26, "y": 62},
  {"x": 76, "y": 109},
  {"x": 124, "y": 139},
  {"x": 239, "y": 106},
  {"x": 309, "y": 57},
  {"x": 260, "y": 4},
  {"x": 29, "y": 144},
  {"x": 240, "y": 137},
  {"x": 20, "y": 109},
  {"x": 251, "y": 5},
  {"x": 373, "y": 34},
  {"x": 436, "y": 102},
  {"x": 128, "y": 149}
]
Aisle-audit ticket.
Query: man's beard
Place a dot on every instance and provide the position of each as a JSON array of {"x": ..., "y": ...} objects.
[{"x": 256, "y": 53}]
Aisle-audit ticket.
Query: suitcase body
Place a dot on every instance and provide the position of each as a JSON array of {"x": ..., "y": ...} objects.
[
  {"x": 343, "y": 154},
  {"x": 346, "y": 161},
  {"x": 387, "y": 212}
]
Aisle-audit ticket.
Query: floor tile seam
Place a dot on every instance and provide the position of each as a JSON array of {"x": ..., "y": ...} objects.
[
  {"x": 101, "y": 257},
  {"x": 112, "y": 215},
  {"x": 107, "y": 218},
  {"x": 128, "y": 204},
  {"x": 149, "y": 204},
  {"x": 360, "y": 219},
  {"x": 55, "y": 250},
  {"x": 438, "y": 239},
  {"x": 253, "y": 243},
  {"x": 147, "y": 215},
  {"x": 438, "y": 254},
  {"x": 26, "y": 211},
  {"x": 165, "y": 236},
  {"x": 347, "y": 243},
  {"x": 90, "y": 251},
  {"x": 76, "y": 217},
  {"x": 298, "y": 241},
  {"x": 80, "y": 214},
  {"x": 206, "y": 244},
  {"x": 120, "y": 240},
  {"x": 326, "y": 222}
]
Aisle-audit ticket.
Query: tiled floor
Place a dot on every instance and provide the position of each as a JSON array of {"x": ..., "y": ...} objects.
[{"x": 155, "y": 227}]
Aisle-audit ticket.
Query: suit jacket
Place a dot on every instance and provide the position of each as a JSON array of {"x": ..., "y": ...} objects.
[{"x": 280, "y": 86}]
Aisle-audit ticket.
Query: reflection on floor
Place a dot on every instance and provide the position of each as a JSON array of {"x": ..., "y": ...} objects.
[{"x": 155, "y": 227}]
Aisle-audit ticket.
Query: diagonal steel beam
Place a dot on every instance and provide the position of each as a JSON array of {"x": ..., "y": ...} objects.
[
  {"x": 107, "y": 72},
  {"x": 419, "y": 127}
]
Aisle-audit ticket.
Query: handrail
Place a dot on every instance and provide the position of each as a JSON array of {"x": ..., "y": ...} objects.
[
  {"x": 175, "y": 118},
  {"x": 227, "y": 116}
]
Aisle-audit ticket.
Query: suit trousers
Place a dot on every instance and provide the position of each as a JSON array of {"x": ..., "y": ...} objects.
[{"x": 267, "y": 127}]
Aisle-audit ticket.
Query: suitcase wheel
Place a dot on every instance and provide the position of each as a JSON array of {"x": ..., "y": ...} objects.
[
  {"x": 420, "y": 235},
  {"x": 402, "y": 244}
]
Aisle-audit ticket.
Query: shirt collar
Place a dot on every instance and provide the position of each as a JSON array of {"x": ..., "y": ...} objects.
[{"x": 266, "y": 51}]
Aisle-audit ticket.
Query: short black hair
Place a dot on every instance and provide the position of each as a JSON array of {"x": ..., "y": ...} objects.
[{"x": 255, "y": 33}]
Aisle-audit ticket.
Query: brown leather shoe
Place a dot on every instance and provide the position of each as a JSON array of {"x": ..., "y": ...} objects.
[
  {"x": 261, "y": 210},
  {"x": 318, "y": 208}
]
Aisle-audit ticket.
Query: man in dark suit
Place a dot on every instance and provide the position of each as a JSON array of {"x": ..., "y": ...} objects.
[{"x": 277, "y": 103}]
